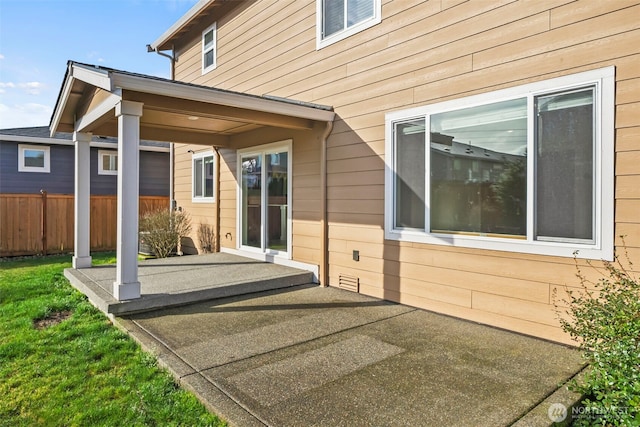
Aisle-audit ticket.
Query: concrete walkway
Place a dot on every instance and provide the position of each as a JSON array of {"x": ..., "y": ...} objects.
[{"x": 312, "y": 356}]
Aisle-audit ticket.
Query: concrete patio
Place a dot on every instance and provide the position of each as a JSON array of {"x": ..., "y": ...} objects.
[
  {"x": 314, "y": 356},
  {"x": 260, "y": 345},
  {"x": 182, "y": 280}
]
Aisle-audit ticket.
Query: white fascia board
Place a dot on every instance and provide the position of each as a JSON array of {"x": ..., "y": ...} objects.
[
  {"x": 99, "y": 112},
  {"x": 35, "y": 140},
  {"x": 58, "y": 141},
  {"x": 180, "y": 23},
  {"x": 154, "y": 148},
  {"x": 214, "y": 96},
  {"x": 64, "y": 98},
  {"x": 93, "y": 76}
]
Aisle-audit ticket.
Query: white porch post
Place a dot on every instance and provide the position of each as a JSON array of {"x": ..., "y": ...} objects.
[
  {"x": 127, "y": 285},
  {"x": 82, "y": 190}
]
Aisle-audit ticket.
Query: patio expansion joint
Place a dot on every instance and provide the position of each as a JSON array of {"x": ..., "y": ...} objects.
[
  {"x": 195, "y": 372},
  {"x": 237, "y": 400},
  {"x": 198, "y": 373},
  {"x": 301, "y": 342},
  {"x": 543, "y": 404}
]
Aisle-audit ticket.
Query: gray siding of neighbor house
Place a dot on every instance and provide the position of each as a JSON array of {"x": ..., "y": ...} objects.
[
  {"x": 58, "y": 181},
  {"x": 154, "y": 173}
]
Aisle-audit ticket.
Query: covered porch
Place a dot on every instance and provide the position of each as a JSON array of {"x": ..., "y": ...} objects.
[{"x": 101, "y": 101}]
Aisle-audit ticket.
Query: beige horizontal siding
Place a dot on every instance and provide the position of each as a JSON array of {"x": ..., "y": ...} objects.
[{"x": 422, "y": 52}]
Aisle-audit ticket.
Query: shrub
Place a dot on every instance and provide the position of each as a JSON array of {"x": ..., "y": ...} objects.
[
  {"x": 604, "y": 317},
  {"x": 164, "y": 229},
  {"x": 206, "y": 237}
]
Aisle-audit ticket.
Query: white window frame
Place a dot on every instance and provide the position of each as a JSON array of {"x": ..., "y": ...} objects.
[
  {"x": 41, "y": 169},
  {"x": 194, "y": 197},
  {"x": 264, "y": 150},
  {"x": 214, "y": 48},
  {"x": 101, "y": 169},
  {"x": 322, "y": 41},
  {"x": 604, "y": 108}
]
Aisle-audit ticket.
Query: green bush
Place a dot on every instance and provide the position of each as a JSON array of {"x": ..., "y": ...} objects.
[
  {"x": 163, "y": 230},
  {"x": 604, "y": 317}
]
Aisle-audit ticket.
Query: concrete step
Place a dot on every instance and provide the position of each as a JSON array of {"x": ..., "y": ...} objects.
[{"x": 153, "y": 302}]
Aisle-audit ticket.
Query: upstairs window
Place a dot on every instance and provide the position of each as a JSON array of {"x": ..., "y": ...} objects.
[
  {"x": 33, "y": 158},
  {"x": 338, "y": 19},
  {"x": 209, "y": 49},
  {"x": 203, "y": 177},
  {"x": 527, "y": 169},
  {"x": 107, "y": 162}
]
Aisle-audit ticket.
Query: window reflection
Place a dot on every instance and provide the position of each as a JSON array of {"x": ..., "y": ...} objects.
[{"x": 478, "y": 169}]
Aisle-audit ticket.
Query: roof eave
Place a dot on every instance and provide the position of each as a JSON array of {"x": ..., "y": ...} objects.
[
  {"x": 184, "y": 20},
  {"x": 231, "y": 99},
  {"x": 94, "y": 76},
  {"x": 63, "y": 97}
]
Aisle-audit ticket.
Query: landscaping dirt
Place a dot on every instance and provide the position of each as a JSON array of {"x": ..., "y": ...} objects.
[{"x": 52, "y": 319}]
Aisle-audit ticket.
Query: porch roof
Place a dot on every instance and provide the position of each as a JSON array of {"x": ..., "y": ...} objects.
[{"x": 173, "y": 111}]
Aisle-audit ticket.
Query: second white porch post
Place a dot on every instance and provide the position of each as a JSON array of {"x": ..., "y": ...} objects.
[
  {"x": 82, "y": 201},
  {"x": 127, "y": 285}
]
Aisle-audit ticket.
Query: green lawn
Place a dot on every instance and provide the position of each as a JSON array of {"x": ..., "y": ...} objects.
[{"x": 62, "y": 362}]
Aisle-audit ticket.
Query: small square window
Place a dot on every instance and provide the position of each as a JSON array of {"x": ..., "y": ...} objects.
[
  {"x": 209, "y": 49},
  {"x": 33, "y": 158},
  {"x": 107, "y": 162},
  {"x": 203, "y": 177},
  {"x": 339, "y": 19}
]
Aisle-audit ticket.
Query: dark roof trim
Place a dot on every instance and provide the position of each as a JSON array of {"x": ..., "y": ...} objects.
[{"x": 41, "y": 135}]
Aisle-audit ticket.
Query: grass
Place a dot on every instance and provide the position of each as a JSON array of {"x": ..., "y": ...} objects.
[{"x": 62, "y": 362}]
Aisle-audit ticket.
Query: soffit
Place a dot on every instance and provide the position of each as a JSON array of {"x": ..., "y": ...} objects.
[
  {"x": 199, "y": 17},
  {"x": 172, "y": 111}
]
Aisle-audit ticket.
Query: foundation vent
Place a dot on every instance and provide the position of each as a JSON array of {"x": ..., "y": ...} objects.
[{"x": 350, "y": 283}]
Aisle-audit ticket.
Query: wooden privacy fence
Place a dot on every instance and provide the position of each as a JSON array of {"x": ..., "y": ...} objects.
[{"x": 43, "y": 223}]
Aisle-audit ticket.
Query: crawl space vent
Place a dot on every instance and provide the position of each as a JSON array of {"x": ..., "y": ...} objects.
[{"x": 350, "y": 283}]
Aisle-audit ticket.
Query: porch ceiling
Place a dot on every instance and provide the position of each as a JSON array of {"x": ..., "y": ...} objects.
[{"x": 172, "y": 111}]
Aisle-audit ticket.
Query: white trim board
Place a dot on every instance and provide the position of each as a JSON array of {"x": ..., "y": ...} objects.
[{"x": 274, "y": 259}]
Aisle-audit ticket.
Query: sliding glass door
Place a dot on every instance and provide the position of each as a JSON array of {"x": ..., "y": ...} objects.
[{"x": 264, "y": 199}]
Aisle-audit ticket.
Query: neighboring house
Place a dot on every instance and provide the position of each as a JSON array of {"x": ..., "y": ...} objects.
[
  {"x": 31, "y": 160},
  {"x": 37, "y": 189},
  {"x": 470, "y": 158}
]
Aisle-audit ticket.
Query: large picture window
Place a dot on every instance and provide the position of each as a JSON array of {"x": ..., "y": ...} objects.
[
  {"x": 527, "y": 169},
  {"x": 203, "y": 177},
  {"x": 338, "y": 19}
]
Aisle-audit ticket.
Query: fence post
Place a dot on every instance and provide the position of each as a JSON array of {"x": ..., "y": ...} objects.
[{"x": 44, "y": 221}]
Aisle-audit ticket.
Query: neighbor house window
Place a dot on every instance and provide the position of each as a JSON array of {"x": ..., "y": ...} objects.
[
  {"x": 338, "y": 19},
  {"x": 107, "y": 162},
  {"x": 203, "y": 177},
  {"x": 527, "y": 169},
  {"x": 209, "y": 49},
  {"x": 33, "y": 158}
]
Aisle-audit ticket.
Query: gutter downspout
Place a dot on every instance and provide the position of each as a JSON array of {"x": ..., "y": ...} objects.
[
  {"x": 324, "y": 227},
  {"x": 216, "y": 245},
  {"x": 172, "y": 58}
]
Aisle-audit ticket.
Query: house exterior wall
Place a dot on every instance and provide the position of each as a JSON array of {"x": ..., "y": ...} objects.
[
  {"x": 306, "y": 191},
  {"x": 154, "y": 167},
  {"x": 58, "y": 181},
  {"x": 424, "y": 52}
]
